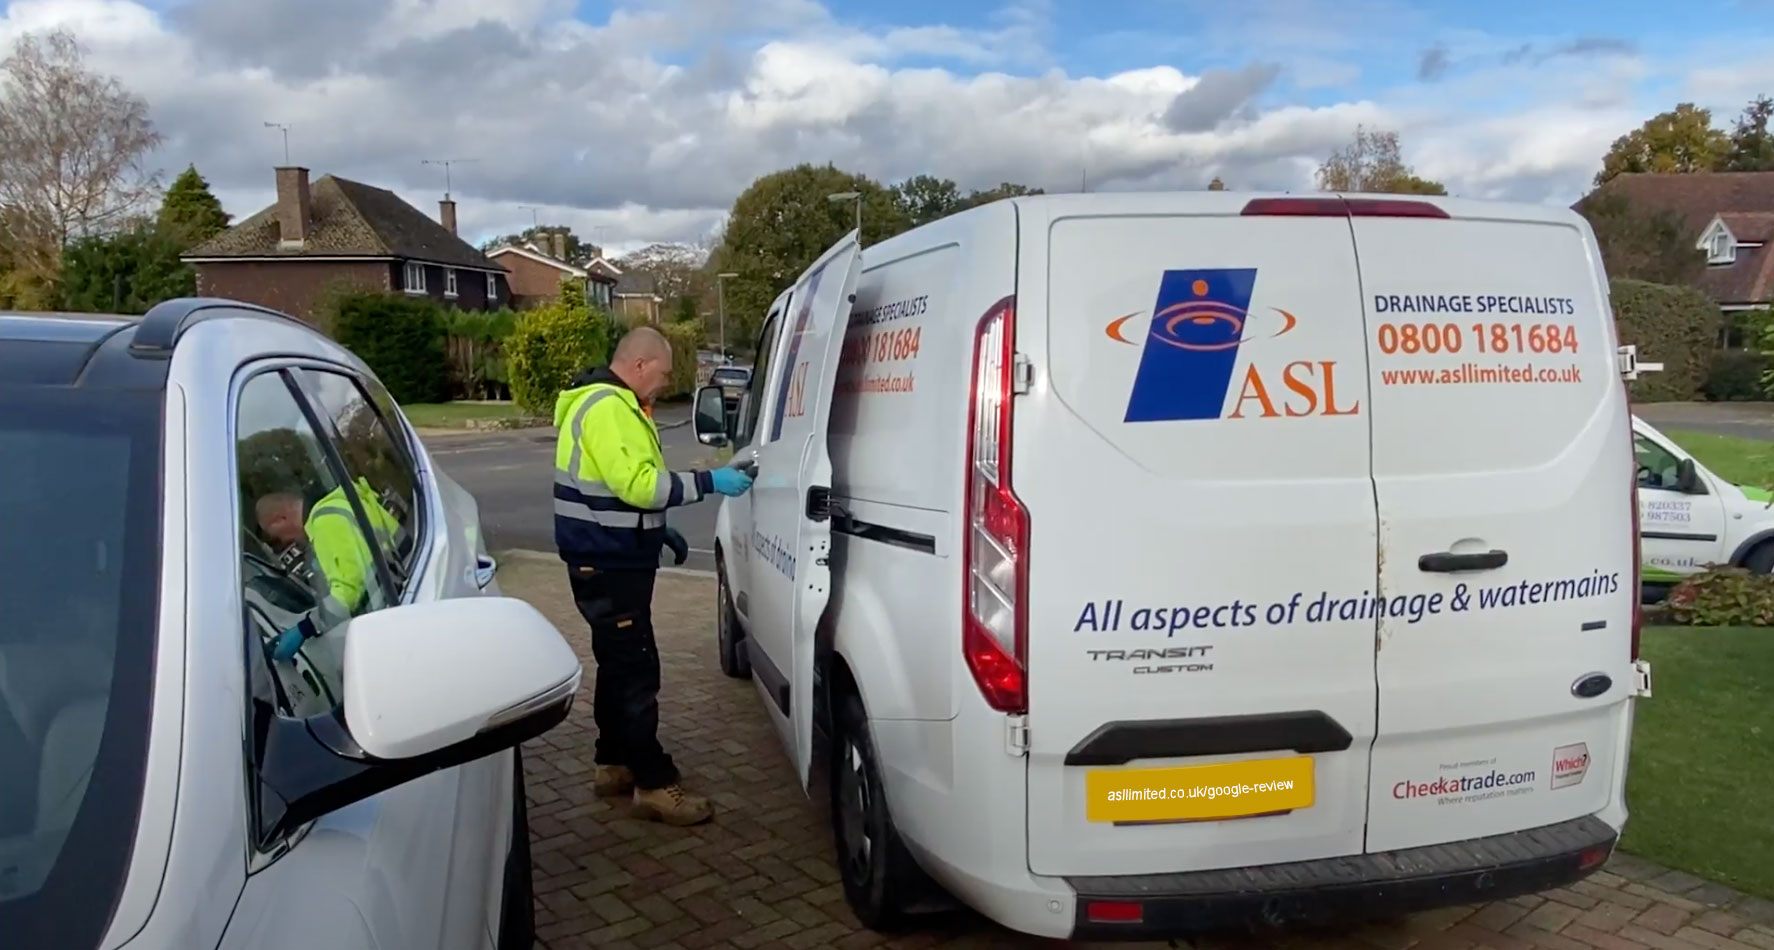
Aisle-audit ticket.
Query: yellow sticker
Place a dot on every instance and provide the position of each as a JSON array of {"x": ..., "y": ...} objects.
[{"x": 1199, "y": 792}]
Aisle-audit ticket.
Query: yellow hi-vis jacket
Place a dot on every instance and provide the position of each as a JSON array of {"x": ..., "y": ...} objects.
[
  {"x": 611, "y": 483},
  {"x": 337, "y": 542}
]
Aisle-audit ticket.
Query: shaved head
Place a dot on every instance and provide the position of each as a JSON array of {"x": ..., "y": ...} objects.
[
  {"x": 643, "y": 361},
  {"x": 642, "y": 343}
]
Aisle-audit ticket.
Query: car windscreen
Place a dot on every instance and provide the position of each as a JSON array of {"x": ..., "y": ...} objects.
[
  {"x": 79, "y": 577},
  {"x": 730, "y": 376}
]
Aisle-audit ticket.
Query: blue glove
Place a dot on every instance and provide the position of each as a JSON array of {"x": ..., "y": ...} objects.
[
  {"x": 288, "y": 643},
  {"x": 680, "y": 548},
  {"x": 730, "y": 481}
]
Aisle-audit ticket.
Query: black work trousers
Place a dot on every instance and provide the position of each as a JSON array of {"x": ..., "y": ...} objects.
[{"x": 618, "y": 604}]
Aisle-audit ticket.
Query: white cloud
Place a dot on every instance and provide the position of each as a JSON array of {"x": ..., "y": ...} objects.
[{"x": 650, "y": 123}]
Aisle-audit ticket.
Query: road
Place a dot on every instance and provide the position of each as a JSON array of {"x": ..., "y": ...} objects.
[
  {"x": 511, "y": 474},
  {"x": 1745, "y": 420}
]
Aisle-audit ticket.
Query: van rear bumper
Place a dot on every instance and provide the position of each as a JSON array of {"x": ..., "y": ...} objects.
[{"x": 1363, "y": 885}]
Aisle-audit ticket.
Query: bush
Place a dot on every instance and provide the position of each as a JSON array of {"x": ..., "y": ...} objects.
[
  {"x": 476, "y": 343},
  {"x": 1722, "y": 597},
  {"x": 686, "y": 339},
  {"x": 1735, "y": 375},
  {"x": 1675, "y": 326},
  {"x": 549, "y": 346},
  {"x": 400, "y": 338}
]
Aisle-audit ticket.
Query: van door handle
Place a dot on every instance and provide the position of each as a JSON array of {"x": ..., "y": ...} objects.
[
  {"x": 1447, "y": 562},
  {"x": 484, "y": 569}
]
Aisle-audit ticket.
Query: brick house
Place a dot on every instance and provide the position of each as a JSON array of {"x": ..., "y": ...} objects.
[
  {"x": 536, "y": 273},
  {"x": 1729, "y": 216},
  {"x": 637, "y": 298},
  {"x": 339, "y": 232}
]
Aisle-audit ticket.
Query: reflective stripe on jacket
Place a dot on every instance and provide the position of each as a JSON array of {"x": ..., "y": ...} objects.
[
  {"x": 611, "y": 483},
  {"x": 338, "y": 545}
]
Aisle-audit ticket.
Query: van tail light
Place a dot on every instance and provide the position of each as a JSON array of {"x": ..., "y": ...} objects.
[
  {"x": 994, "y": 618},
  {"x": 1328, "y": 207}
]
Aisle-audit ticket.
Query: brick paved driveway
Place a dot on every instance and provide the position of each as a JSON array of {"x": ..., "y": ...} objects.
[{"x": 760, "y": 874}]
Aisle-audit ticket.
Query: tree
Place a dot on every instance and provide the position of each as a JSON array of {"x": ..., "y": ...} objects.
[
  {"x": 190, "y": 211},
  {"x": 1641, "y": 244},
  {"x": 925, "y": 198},
  {"x": 1679, "y": 141},
  {"x": 676, "y": 269},
  {"x": 128, "y": 271},
  {"x": 1216, "y": 184},
  {"x": 1003, "y": 190},
  {"x": 1373, "y": 163},
  {"x": 780, "y": 225},
  {"x": 1752, "y": 143},
  {"x": 72, "y": 144}
]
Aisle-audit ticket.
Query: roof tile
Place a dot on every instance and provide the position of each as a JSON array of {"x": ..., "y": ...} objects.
[{"x": 350, "y": 219}]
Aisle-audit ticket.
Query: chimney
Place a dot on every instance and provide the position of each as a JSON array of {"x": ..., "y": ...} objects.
[
  {"x": 295, "y": 205},
  {"x": 560, "y": 245},
  {"x": 446, "y": 213}
]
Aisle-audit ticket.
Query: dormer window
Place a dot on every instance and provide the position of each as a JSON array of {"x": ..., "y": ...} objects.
[
  {"x": 1719, "y": 245},
  {"x": 1722, "y": 250}
]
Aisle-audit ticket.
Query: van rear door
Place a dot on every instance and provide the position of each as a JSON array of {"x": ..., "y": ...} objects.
[
  {"x": 1502, "y": 468},
  {"x": 1193, "y": 457}
]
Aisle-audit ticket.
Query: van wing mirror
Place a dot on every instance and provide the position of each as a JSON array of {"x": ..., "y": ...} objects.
[
  {"x": 1687, "y": 478},
  {"x": 711, "y": 416}
]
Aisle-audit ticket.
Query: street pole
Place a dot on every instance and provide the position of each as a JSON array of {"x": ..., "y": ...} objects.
[
  {"x": 721, "y": 294},
  {"x": 855, "y": 196}
]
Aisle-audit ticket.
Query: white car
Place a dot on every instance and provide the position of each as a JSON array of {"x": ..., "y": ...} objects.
[
  {"x": 169, "y": 777},
  {"x": 1158, "y": 562},
  {"x": 1690, "y": 517}
]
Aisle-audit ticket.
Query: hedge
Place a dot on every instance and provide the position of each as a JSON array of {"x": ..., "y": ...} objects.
[
  {"x": 1735, "y": 375},
  {"x": 548, "y": 347},
  {"x": 1675, "y": 326},
  {"x": 400, "y": 338},
  {"x": 686, "y": 340}
]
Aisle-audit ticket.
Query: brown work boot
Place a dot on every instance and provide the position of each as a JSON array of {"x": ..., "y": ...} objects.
[
  {"x": 612, "y": 780},
  {"x": 671, "y": 805}
]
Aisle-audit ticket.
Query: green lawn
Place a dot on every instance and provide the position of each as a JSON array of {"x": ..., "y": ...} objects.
[
  {"x": 1701, "y": 780},
  {"x": 455, "y": 415},
  {"x": 1743, "y": 461}
]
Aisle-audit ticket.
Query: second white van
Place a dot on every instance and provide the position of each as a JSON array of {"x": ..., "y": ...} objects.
[{"x": 1152, "y": 563}]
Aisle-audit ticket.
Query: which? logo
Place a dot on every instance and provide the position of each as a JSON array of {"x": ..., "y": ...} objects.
[{"x": 1569, "y": 764}]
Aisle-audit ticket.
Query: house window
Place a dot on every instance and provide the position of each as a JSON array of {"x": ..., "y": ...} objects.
[
  {"x": 415, "y": 277},
  {"x": 1721, "y": 250},
  {"x": 449, "y": 282},
  {"x": 492, "y": 288}
]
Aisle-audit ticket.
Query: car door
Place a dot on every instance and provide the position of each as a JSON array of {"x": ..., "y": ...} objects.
[
  {"x": 1681, "y": 530},
  {"x": 416, "y": 861},
  {"x": 738, "y": 560},
  {"x": 791, "y": 529}
]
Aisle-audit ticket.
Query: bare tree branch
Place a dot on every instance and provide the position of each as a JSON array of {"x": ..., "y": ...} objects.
[{"x": 72, "y": 145}]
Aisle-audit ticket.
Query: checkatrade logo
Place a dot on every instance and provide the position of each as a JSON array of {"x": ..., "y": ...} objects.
[{"x": 1200, "y": 325}]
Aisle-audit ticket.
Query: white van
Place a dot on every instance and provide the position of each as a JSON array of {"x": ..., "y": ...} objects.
[
  {"x": 1156, "y": 562},
  {"x": 1691, "y": 518}
]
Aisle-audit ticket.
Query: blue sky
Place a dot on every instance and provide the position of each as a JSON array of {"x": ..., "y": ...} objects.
[{"x": 646, "y": 118}]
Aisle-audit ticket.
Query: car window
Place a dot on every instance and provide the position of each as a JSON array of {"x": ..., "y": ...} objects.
[
  {"x": 759, "y": 374},
  {"x": 377, "y": 462},
  {"x": 306, "y": 565},
  {"x": 79, "y": 584},
  {"x": 1656, "y": 464}
]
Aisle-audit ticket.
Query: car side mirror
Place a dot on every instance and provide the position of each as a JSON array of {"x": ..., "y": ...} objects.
[
  {"x": 711, "y": 416},
  {"x": 1687, "y": 478},
  {"x": 428, "y": 686}
]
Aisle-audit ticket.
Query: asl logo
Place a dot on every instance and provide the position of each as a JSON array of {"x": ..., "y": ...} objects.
[
  {"x": 1199, "y": 323},
  {"x": 1569, "y": 764}
]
